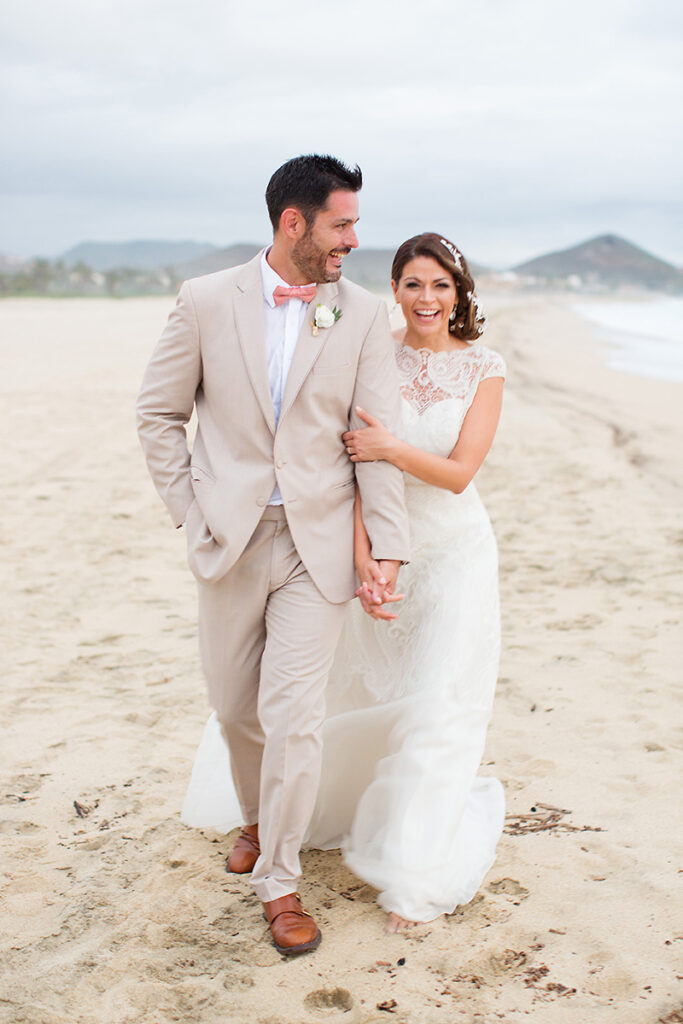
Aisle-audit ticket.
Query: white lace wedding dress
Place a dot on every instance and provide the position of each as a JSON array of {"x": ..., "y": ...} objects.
[{"x": 409, "y": 701}]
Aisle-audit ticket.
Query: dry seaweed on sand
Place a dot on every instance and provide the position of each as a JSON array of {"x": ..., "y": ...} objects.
[{"x": 543, "y": 818}]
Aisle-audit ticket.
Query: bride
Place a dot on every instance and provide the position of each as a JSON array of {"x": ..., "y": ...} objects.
[{"x": 409, "y": 699}]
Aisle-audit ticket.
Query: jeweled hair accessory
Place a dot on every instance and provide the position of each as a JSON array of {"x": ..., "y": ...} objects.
[
  {"x": 455, "y": 253},
  {"x": 479, "y": 319},
  {"x": 479, "y": 315}
]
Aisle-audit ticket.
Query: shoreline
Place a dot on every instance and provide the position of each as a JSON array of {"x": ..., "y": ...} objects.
[
  {"x": 646, "y": 345},
  {"x": 118, "y": 914}
]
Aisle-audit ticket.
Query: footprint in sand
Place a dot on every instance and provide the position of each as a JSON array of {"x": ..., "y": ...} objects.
[
  {"x": 19, "y": 827},
  {"x": 508, "y": 886},
  {"x": 509, "y": 960},
  {"x": 22, "y": 787},
  {"x": 331, "y": 1004}
]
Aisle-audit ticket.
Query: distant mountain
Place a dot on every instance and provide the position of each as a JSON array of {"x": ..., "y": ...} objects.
[
  {"x": 153, "y": 266},
  {"x": 217, "y": 259},
  {"x": 607, "y": 260},
  {"x": 370, "y": 268},
  {"x": 137, "y": 255}
]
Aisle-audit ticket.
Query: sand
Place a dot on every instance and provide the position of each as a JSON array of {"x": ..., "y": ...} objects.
[{"x": 114, "y": 912}]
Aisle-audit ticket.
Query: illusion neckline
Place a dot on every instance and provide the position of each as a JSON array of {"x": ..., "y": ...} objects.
[{"x": 438, "y": 352}]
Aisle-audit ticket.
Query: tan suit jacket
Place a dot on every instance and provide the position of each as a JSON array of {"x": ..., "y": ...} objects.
[{"x": 212, "y": 356}]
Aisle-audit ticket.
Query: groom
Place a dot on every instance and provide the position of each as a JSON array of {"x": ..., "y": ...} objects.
[{"x": 274, "y": 356}]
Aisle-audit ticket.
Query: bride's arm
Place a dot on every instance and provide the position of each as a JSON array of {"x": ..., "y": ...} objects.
[{"x": 454, "y": 473}]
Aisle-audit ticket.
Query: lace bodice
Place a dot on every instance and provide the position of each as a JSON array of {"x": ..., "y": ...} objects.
[
  {"x": 429, "y": 377},
  {"x": 438, "y": 389}
]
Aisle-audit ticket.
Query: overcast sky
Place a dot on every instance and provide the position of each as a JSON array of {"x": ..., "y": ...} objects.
[{"x": 511, "y": 126}]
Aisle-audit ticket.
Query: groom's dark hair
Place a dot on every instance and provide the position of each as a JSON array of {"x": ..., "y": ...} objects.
[{"x": 306, "y": 182}]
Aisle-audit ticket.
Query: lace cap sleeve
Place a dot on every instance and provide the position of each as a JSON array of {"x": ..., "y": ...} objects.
[{"x": 494, "y": 365}]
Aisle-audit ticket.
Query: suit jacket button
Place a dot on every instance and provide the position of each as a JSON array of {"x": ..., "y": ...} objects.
[{"x": 260, "y": 502}]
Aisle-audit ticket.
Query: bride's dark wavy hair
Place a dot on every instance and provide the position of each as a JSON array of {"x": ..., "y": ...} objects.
[{"x": 466, "y": 321}]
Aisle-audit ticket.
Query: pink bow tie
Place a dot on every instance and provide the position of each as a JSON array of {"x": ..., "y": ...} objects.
[{"x": 304, "y": 292}]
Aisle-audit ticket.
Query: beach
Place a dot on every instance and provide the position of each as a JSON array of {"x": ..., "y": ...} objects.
[{"x": 116, "y": 913}]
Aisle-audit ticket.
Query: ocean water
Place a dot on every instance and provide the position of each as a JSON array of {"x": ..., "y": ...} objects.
[{"x": 646, "y": 335}]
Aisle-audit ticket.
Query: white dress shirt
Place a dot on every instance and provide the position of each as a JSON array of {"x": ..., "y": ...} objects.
[{"x": 282, "y": 328}]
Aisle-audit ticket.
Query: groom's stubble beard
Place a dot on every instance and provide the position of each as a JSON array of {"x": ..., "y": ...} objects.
[{"x": 311, "y": 260}]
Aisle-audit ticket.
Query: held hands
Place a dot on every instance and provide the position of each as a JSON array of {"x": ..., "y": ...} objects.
[
  {"x": 378, "y": 582},
  {"x": 369, "y": 444}
]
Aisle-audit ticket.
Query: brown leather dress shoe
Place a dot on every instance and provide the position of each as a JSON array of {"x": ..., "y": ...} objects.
[
  {"x": 293, "y": 930},
  {"x": 245, "y": 852}
]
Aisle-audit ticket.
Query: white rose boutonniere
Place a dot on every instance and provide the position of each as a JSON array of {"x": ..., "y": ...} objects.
[{"x": 324, "y": 318}]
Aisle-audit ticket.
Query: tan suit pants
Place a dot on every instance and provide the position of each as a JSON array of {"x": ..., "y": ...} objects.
[{"x": 267, "y": 640}]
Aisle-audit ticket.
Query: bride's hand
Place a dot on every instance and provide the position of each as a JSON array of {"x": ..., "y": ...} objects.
[
  {"x": 375, "y": 591},
  {"x": 369, "y": 444}
]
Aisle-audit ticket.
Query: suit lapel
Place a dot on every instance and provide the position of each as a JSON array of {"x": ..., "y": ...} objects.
[
  {"x": 308, "y": 346},
  {"x": 251, "y": 334}
]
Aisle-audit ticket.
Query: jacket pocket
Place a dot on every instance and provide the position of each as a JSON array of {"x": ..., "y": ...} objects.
[{"x": 329, "y": 371}]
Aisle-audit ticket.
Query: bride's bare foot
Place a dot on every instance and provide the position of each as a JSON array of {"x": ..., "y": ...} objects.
[{"x": 396, "y": 923}]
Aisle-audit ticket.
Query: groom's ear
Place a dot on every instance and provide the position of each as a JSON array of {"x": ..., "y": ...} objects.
[{"x": 292, "y": 223}]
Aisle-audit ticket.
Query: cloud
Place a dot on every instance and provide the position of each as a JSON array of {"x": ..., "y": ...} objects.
[{"x": 148, "y": 115}]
